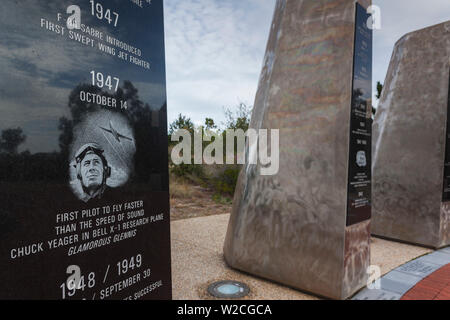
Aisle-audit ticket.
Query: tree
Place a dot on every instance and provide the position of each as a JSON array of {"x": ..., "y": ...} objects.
[
  {"x": 378, "y": 95},
  {"x": 379, "y": 90},
  {"x": 210, "y": 124},
  {"x": 11, "y": 139},
  {"x": 240, "y": 118},
  {"x": 181, "y": 123}
]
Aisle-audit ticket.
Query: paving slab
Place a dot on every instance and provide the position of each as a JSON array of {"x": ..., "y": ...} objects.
[
  {"x": 439, "y": 258},
  {"x": 419, "y": 267},
  {"x": 377, "y": 294},
  {"x": 399, "y": 282},
  {"x": 434, "y": 287},
  {"x": 425, "y": 278}
]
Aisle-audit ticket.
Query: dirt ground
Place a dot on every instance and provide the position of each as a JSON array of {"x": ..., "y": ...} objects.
[{"x": 199, "y": 204}]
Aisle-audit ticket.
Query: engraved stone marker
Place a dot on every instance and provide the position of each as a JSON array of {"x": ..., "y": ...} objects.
[
  {"x": 411, "y": 154},
  {"x": 308, "y": 225},
  {"x": 84, "y": 203}
]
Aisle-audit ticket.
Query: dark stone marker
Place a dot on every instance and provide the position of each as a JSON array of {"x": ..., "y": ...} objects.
[
  {"x": 359, "y": 175},
  {"x": 84, "y": 202}
]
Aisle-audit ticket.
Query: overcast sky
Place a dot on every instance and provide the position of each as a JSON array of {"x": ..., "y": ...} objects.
[
  {"x": 399, "y": 17},
  {"x": 214, "y": 48}
]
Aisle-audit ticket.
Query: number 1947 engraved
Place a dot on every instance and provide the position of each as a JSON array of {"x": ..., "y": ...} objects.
[
  {"x": 99, "y": 80},
  {"x": 98, "y": 11}
]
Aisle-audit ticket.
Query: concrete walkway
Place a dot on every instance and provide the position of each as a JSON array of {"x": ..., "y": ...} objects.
[{"x": 197, "y": 261}]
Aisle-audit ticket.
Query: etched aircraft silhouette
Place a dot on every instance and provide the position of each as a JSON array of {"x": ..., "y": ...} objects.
[{"x": 115, "y": 133}]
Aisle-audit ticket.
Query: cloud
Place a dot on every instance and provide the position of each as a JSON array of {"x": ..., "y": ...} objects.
[
  {"x": 398, "y": 18},
  {"x": 215, "y": 48},
  {"x": 214, "y": 53},
  {"x": 41, "y": 68}
]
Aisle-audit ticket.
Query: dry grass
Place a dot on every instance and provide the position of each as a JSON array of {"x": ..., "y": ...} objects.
[
  {"x": 181, "y": 189},
  {"x": 189, "y": 200}
]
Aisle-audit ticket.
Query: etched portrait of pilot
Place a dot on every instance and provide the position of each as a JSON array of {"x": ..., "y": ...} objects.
[
  {"x": 101, "y": 160},
  {"x": 92, "y": 170}
]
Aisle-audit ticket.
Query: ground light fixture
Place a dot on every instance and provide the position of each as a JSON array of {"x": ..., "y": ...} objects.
[{"x": 228, "y": 290}]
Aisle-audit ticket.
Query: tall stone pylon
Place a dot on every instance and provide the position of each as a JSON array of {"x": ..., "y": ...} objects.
[
  {"x": 411, "y": 149},
  {"x": 308, "y": 225}
]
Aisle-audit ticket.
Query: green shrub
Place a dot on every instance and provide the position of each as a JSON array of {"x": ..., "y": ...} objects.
[
  {"x": 187, "y": 170},
  {"x": 221, "y": 199},
  {"x": 226, "y": 181}
]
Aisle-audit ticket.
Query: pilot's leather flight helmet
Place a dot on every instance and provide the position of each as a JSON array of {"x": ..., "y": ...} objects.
[{"x": 94, "y": 148}]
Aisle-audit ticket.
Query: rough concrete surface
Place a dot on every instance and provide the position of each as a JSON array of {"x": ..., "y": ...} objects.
[
  {"x": 409, "y": 139},
  {"x": 291, "y": 227},
  {"x": 197, "y": 261}
]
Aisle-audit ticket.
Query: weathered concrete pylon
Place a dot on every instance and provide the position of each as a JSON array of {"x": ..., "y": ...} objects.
[
  {"x": 411, "y": 173},
  {"x": 308, "y": 226}
]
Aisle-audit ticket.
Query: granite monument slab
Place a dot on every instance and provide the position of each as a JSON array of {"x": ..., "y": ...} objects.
[{"x": 84, "y": 202}]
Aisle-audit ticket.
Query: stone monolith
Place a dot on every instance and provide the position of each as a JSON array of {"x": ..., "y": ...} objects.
[
  {"x": 308, "y": 226},
  {"x": 411, "y": 168}
]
